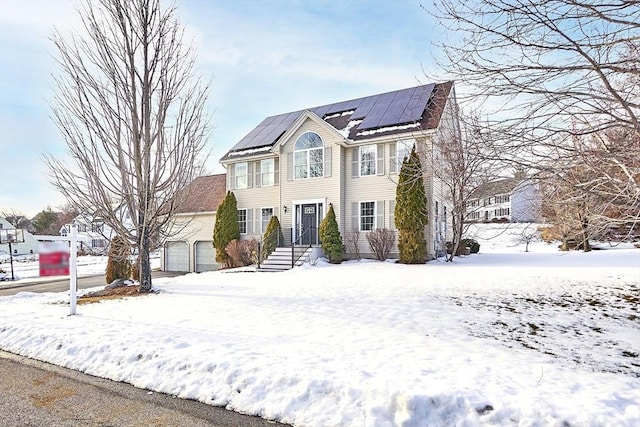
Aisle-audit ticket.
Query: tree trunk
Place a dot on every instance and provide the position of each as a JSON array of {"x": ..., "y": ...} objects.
[
  {"x": 586, "y": 247},
  {"x": 145, "y": 264}
]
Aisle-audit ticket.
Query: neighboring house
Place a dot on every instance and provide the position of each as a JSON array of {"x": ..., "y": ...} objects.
[
  {"x": 190, "y": 245},
  {"x": 511, "y": 199},
  {"x": 28, "y": 247},
  {"x": 94, "y": 236},
  {"x": 347, "y": 154}
]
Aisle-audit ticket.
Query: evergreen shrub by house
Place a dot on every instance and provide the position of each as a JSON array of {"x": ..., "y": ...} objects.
[
  {"x": 331, "y": 238},
  {"x": 272, "y": 238},
  {"x": 410, "y": 213},
  {"x": 118, "y": 264},
  {"x": 472, "y": 244},
  {"x": 226, "y": 228}
]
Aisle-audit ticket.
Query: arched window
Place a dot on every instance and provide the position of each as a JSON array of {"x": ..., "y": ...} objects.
[{"x": 308, "y": 156}]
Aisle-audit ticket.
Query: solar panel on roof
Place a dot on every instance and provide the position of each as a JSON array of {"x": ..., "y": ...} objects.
[
  {"x": 321, "y": 111},
  {"x": 387, "y": 109},
  {"x": 344, "y": 106}
]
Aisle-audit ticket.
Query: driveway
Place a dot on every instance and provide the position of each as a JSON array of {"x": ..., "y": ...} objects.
[
  {"x": 35, "y": 394},
  {"x": 61, "y": 285}
]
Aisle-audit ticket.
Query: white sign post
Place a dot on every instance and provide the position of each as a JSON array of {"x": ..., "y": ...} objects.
[{"x": 73, "y": 268}]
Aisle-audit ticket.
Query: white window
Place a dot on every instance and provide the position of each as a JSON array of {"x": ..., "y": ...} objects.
[
  {"x": 267, "y": 172},
  {"x": 266, "y": 215},
  {"x": 403, "y": 150},
  {"x": 367, "y": 216},
  {"x": 242, "y": 221},
  {"x": 368, "y": 160},
  {"x": 241, "y": 173},
  {"x": 98, "y": 243},
  {"x": 308, "y": 156},
  {"x": 398, "y": 151}
]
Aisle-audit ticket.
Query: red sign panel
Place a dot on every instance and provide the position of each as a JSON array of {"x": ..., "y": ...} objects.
[{"x": 54, "y": 259}]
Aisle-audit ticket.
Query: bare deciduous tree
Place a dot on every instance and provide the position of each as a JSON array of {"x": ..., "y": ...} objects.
[
  {"x": 131, "y": 111},
  {"x": 461, "y": 164},
  {"x": 15, "y": 218},
  {"x": 551, "y": 71}
]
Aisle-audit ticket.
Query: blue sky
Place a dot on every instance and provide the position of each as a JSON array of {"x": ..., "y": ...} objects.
[{"x": 264, "y": 58}]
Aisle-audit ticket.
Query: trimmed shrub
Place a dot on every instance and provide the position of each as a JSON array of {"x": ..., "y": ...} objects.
[
  {"x": 118, "y": 264},
  {"x": 472, "y": 244},
  {"x": 272, "y": 238},
  {"x": 381, "y": 241},
  {"x": 241, "y": 252},
  {"x": 226, "y": 228},
  {"x": 331, "y": 238}
]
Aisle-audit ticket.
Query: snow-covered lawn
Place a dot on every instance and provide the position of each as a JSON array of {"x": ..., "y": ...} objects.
[{"x": 499, "y": 338}]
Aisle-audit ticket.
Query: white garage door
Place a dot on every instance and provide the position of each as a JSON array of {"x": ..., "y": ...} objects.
[
  {"x": 205, "y": 256},
  {"x": 176, "y": 256}
]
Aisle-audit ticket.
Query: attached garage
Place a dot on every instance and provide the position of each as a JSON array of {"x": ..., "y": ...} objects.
[
  {"x": 176, "y": 256},
  {"x": 205, "y": 256}
]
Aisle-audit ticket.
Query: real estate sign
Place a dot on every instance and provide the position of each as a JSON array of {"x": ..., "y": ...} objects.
[{"x": 54, "y": 258}]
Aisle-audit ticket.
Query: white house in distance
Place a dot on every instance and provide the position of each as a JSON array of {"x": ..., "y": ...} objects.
[
  {"x": 28, "y": 247},
  {"x": 189, "y": 246},
  {"x": 511, "y": 200},
  {"x": 347, "y": 154},
  {"x": 94, "y": 236}
]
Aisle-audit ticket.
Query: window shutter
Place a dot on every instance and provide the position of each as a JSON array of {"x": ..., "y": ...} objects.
[
  {"x": 276, "y": 212},
  {"x": 289, "y": 166},
  {"x": 355, "y": 161},
  {"x": 249, "y": 221},
  {"x": 232, "y": 177},
  {"x": 392, "y": 213},
  {"x": 249, "y": 174},
  {"x": 327, "y": 162},
  {"x": 393, "y": 162},
  {"x": 258, "y": 176},
  {"x": 355, "y": 220},
  {"x": 258, "y": 221},
  {"x": 380, "y": 214},
  {"x": 276, "y": 171},
  {"x": 380, "y": 165}
]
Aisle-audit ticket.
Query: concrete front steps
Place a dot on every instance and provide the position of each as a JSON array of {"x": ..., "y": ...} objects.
[{"x": 280, "y": 259}]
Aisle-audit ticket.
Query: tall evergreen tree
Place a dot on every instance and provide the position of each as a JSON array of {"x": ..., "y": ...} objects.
[
  {"x": 411, "y": 211},
  {"x": 331, "y": 238},
  {"x": 226, "y": 227},
  {"x": 272, "y": 237}
]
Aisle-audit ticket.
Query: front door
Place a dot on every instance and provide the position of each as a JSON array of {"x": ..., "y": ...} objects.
[{"x": 309, "y": 224}]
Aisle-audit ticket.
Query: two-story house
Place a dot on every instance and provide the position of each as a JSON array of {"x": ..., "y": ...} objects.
[
  {"x": 511, "y": 200},
  {"x": 347, "y": 154},
  {"x": 94, "y": 236}
]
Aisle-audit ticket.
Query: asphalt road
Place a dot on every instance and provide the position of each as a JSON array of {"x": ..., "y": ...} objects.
[
  {"x": 57, "y": 285},
  {"x": 37, "y": 394}
]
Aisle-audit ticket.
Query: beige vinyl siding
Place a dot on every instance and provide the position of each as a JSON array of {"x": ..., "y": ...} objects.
[
  {"x": 192, "y": 228},
  {"x": 326, "y": 188},
  {"x": 253, "y": 199},
  {"x": 377, "y": 188}
]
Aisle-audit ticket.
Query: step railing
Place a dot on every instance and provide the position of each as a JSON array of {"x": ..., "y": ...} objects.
[{"x": 301, "y": 238}]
